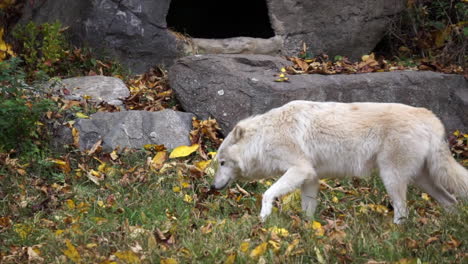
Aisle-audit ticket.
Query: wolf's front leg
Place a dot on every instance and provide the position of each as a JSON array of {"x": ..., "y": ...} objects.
[{"x": 291, "y": 180}]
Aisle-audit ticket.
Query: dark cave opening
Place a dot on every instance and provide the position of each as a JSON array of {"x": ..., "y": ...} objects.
[{"x": 220, "y": 19}]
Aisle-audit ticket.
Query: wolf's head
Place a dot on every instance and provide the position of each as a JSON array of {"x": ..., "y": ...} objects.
[{"x": 228, "y": 159}]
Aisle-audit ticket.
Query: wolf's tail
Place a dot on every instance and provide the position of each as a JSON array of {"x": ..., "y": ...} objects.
[{"x": 445, "y": 170}]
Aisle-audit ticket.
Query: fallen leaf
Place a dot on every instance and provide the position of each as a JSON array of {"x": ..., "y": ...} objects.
[
  {"x": 158, "y": 160},
  {"x": 230, "y": 259},
  {"x": 431, "y": 240},
  {"x": 114, "y": 155},
  {"x": 183, "y": 151},
  {"x": 291, "y": 247},
  {"x": 81, "y": 115},
  {"x": 201, "y": 165},
  {"x": 279, "y": 231},
  {"x": 425, "y": 196},
  {"x": 71, "y": 252},
  {"x": 259, "y": 250},
  {"x": 23, "y": 230},
  {"x": 127, "y": 256},
  {"x": 319, "y": 230},
  {"x": 168, "y": 261},
  {"x": 188, "y": 198},
  {"x": 244, "y": 246},
  {"x": 33, "y": 255},
  {"x": 319, "y": 256},
  {"x": 70, "y": 204}
]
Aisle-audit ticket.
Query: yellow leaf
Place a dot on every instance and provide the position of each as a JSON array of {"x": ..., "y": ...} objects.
[
  {"x": 319, "y": 231},
  {"x": 102, "y": 167},
  {"x": 114, "y": 155},
  {"x": 259, "y": 250},
  {"x": 100, "y": 204},
  {"x": 70, "y": 204},
  {"x": 292, "y": 201},
  {"x": 22, "y": 230},
  {"x": 292, "y": 246},
  {"x": 281, "y": 75},
  {"x": 71, "y": 252},
  {"x": 81, "y": 115},
  {"x": 183, "y": 151},
  {"x": 159, "y": 159},
  {"x": 176, "y": 189},
  {"x": 202, "y": 164},
  {"x": 283, "y": 69},
  {"x": 279, "y": 231},
  {"x": 168, "y": 261},
  {"x": 230, "y": 259},
  {"x": 187, "y": 198},
  {"x": 456, "y": 133},
  {"x": 335, "y": 199},
  {"x": 244, "y": 246},
  {"x": 425, "y": 196},
  {"x": 127, "y": 256},
  {"x": 275, "y": 245},
  {"x": 76, "y": 136},
  {"x": 319, "y": 255},
  {"x": 58, "y": 232},
  {"x": 212, "y": 154},
  {"x": 185, "y": 184}
]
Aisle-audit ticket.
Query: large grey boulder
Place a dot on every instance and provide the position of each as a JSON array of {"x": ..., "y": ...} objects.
[
  {"x": 342, "y": 27},
  {"x": 135, "y": 31},
  {"x": 232, "y": 87},
  {"x": 100, "y": 88},
  {"x": 134, "y": 129}
]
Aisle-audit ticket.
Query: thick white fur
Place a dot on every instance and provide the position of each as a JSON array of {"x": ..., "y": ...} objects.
[{"x": 304, "y": 141}]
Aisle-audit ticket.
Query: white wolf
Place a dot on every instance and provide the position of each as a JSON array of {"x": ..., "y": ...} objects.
[{"x": 305, "y": 141}]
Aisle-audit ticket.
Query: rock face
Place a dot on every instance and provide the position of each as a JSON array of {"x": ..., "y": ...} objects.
[
  {"x": 134, "y": 129},
  {"x": 343, "y": 27},
  {"x": 100, "y": 88},
  {"x": 135, "y": 31},
  {"x": 232, "y": 87}
]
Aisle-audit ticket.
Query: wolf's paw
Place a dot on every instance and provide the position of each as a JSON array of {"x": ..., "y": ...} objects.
[{"x": 266, "y": 211}]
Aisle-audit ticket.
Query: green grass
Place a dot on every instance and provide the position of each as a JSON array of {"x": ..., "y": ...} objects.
[{"x": 137, "y": 210}]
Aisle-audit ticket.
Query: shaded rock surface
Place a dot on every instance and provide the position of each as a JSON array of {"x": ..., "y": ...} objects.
[
  {"x": 100, "y": 88},
  {"x": 134, "y": 129},
  {"x": 232, "y": 87},
  {"x": 134, "y": 31},
  {"x": 343, "y": 27}
]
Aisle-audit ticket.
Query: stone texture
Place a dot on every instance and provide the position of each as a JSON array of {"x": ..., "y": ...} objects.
[
  {"x": 342, "y": 27},
  {"x": 101, "y": 88},
  {"x": 240, "y": 45},
  {"x": 232, "y": 87},
  {"x": 134, "y": 129},
  {"x": 134, "y": 31}
]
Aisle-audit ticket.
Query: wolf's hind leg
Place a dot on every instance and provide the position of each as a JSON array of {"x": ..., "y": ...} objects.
[
  {"x": 396, "y": 187},
  {"x": 292, "y": 179},
  {"x": 309, "y": 191}
]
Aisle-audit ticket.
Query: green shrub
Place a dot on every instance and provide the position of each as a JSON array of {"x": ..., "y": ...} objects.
[
  {"x": 42, "y": 47},
  {"x": 21, "y": 107}
]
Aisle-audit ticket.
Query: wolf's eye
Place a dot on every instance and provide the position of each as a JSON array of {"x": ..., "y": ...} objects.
[{"x": 222, "y": 163}]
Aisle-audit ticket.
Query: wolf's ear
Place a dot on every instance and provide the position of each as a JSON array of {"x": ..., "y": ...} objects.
[{"x": 238, "y": 133}]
